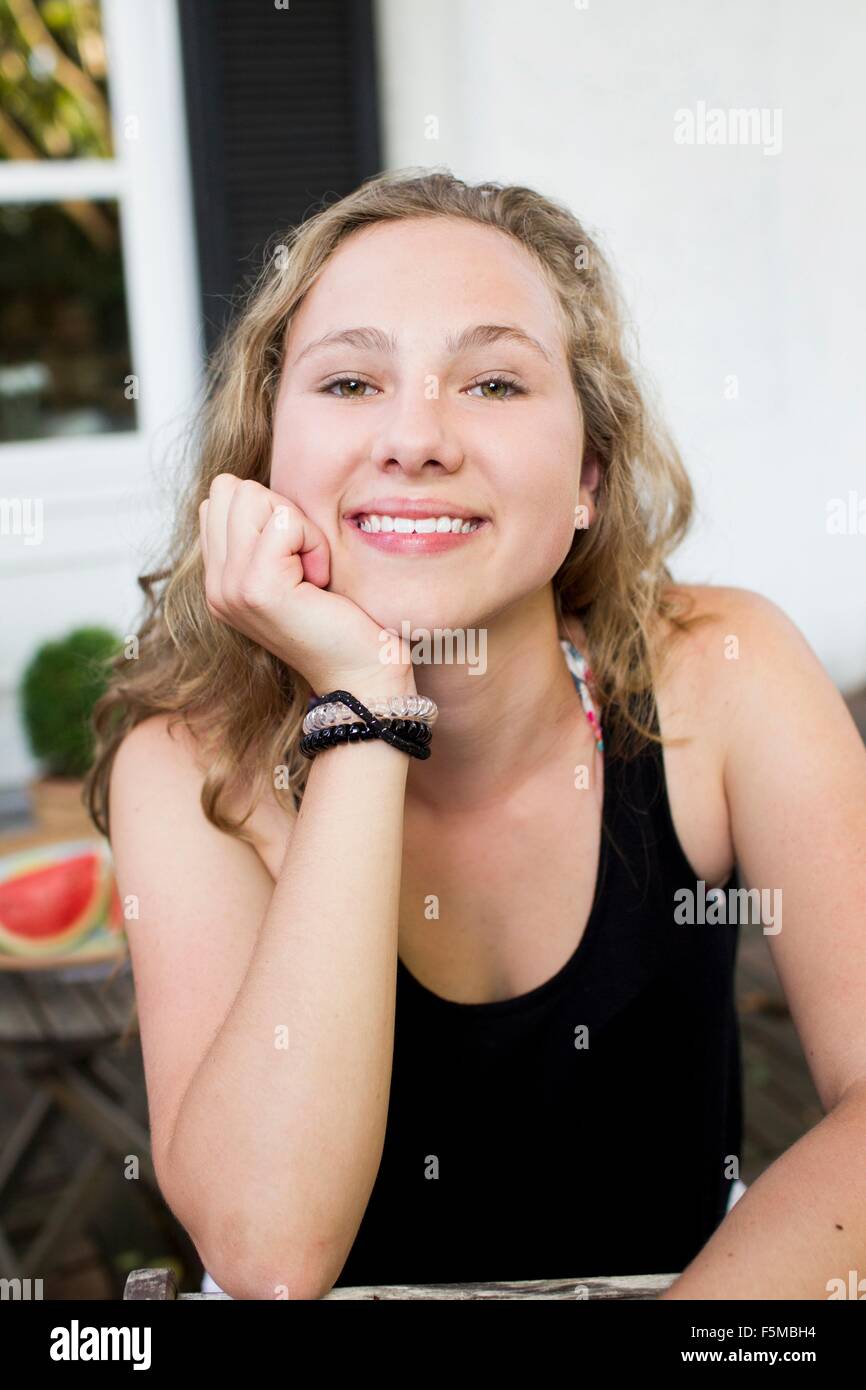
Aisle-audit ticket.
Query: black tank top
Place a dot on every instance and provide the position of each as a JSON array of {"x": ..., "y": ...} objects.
[{"x": 513, "y": 1152}]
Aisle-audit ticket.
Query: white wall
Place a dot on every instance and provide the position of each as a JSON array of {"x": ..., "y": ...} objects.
[{"x": 734, "y": 262}]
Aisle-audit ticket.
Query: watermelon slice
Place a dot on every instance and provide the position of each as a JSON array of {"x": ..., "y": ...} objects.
[{"x": 50, "y": 901}]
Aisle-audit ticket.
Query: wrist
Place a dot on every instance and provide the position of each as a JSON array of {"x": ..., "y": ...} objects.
[{"x": 377, "y": 684}]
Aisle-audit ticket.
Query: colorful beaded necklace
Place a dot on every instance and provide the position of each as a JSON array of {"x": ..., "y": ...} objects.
[{"x": 579, "y": 668}]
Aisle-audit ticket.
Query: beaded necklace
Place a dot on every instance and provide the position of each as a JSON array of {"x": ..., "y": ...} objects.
[{"x": 579, "y": 668}]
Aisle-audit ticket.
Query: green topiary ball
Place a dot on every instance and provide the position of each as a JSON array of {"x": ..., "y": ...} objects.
[{"x": 58, "y": 691}]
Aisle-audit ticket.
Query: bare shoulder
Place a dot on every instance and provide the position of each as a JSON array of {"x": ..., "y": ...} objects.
[
  {"x": 157, "y": 775},
  {"x": 165, "y": 749},
  {"x": 725, "y": 626},
  {"x": 700, "y": 679},
  {"x": 154, "y": 748},
  {"x": 743, "y": 659},
  {"x": 718, "y": 611},
  {"x": 160, "y": 748}
]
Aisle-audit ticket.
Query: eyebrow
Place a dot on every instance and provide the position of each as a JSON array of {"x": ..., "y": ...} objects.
[{"x": 479, "y": 335}]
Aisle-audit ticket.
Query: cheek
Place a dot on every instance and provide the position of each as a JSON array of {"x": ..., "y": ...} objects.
[
  {"x": 545, "y": 502},
  {"x": 302, "y": 469},
  {"x": 537, "y": 556}
]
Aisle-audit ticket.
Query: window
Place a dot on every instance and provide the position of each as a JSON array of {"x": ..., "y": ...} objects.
[{"x": 65, "y": 359}]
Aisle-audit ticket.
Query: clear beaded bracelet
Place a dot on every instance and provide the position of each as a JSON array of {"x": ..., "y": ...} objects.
[{"x": 417, "y": 707}]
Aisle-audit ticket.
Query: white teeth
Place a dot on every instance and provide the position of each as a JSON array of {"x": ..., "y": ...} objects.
[{"x": 421, "y": 526}]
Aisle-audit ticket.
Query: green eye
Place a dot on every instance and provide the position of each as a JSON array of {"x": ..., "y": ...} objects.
[
  {"x": 345, "y": 381},
  {"x": 505, "y": 381}
]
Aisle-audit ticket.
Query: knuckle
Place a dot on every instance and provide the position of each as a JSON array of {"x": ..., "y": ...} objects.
[
  {"x": 223, "y": 482},
  {"x": 283, "y": 514}
]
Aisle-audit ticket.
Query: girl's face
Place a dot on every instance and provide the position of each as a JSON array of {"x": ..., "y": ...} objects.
[{"x": 489, "y": 426}]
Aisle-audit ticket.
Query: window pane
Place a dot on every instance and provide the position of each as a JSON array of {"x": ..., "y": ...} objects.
[
  {"x": 65, "y": 364},
  {"x": 53, "y": 88}
]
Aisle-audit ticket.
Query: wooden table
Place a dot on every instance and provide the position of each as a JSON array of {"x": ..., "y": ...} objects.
[{"x": 160, "y": 1284}]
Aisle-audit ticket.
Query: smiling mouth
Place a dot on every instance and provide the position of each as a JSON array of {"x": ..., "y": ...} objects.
[
  {"x": 376, "y": 524},
  {"x": 419, "y": 536}
]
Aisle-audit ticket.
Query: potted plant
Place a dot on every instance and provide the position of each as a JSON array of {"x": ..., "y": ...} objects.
[{"x": 58, "y": 690}]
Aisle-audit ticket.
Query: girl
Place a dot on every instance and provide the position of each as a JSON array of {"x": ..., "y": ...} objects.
[{"x": 425, "y": 1006}]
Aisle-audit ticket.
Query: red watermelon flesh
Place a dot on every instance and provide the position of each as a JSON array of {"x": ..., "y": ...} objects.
[{"x": 49, "y": 907}]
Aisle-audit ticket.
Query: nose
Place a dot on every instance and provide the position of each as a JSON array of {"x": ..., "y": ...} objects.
[{"x": 415, "y": 433}]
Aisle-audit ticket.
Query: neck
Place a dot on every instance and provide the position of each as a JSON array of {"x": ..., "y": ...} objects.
[{"x": 500, "y": 728}]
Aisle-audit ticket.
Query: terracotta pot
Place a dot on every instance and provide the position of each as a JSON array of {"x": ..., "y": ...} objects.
[{"x": 58, "y": 808}]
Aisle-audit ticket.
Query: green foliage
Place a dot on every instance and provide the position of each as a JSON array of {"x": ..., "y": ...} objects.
[
  {"x": 53, "y": 81},
  {"x": 58, "y": 691}
]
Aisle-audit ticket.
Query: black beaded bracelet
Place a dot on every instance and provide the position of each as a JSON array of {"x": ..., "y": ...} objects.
[
  {"x": 410, "y": 736},
  {"x": 414, "y": 730}
]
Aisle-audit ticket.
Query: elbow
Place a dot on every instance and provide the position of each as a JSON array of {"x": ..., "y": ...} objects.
[
  {"x": 260, "y": 1285},
  {"x": 237, "y": 1255},
  {"x": 246, "y": 1266},
  {"x": 265, "y": 1277}
]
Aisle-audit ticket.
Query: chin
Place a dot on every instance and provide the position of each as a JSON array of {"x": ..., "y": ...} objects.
[
  {"x": 419, "y": 619},
  {"x": 404, "y": 602}
]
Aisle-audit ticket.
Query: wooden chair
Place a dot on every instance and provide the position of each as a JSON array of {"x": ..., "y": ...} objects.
[{"x": 57, "y": 1032}]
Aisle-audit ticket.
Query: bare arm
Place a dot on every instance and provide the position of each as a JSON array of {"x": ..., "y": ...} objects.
[
  {"x": 269, "y": 1152},
  {"x": 293, "y": 1094},
  {"x": 795, "y": 779}
]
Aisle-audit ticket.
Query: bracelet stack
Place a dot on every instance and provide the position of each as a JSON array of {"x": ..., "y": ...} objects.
[
  {"x": 404, "y": 721},
  {"x": 323, "y": 711}
]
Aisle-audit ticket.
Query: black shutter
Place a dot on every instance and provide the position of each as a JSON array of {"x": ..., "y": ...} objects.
[{"x": 282, "y": 108}]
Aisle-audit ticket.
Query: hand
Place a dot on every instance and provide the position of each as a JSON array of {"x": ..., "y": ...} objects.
[{"x": 267, "y": 568}]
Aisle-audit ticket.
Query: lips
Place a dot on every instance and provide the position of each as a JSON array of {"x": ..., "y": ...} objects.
[{"x": 414, "y": 510}]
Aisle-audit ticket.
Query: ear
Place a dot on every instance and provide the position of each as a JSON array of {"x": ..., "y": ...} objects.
[{"x": 590, "y": 474}]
